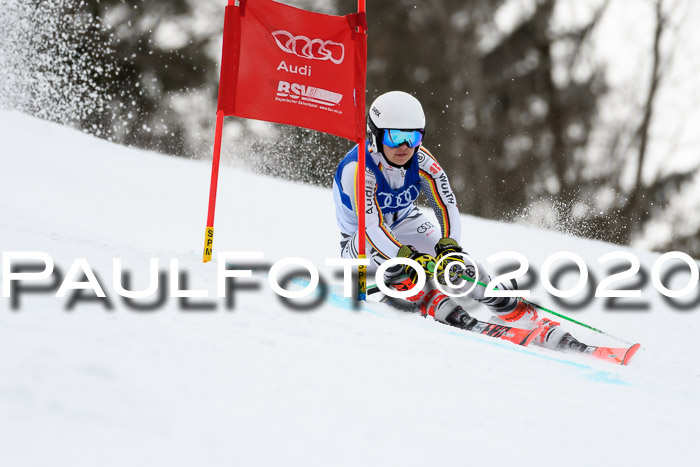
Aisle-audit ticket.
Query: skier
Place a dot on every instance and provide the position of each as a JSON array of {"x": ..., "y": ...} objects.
[{"x": 398, "y": 169}]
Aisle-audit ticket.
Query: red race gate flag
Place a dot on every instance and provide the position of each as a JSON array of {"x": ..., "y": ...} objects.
[{"x": 286, "y": 65}]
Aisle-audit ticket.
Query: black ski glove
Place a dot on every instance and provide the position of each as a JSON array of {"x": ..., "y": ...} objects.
[{"x": 424, "y": 259}]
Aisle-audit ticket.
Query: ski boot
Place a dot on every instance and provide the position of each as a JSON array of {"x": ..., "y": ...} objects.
[
  {"x": 524, "y": 315},
  {"x": 461, "y": 319}
]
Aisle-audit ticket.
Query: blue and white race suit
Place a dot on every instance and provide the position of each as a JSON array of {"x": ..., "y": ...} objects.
[{"x": 391, "y": 217}]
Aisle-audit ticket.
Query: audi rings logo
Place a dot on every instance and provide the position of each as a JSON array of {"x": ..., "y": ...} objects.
[
  {"x": 423, "y": 228},
  {"x": 314, "y": 49}
]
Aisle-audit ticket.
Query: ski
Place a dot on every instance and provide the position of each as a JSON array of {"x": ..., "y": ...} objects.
[
  {"x": 524, "y": 337},
  {"x": 620, "y": 356},
  {"x": 515, "y": 335}
]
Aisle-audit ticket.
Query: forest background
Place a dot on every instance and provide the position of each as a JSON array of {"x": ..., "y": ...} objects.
[{"x": 577, "y": 116}]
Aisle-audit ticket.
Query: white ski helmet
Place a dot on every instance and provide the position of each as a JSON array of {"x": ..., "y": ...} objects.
[{"x": 393, "y": 110}]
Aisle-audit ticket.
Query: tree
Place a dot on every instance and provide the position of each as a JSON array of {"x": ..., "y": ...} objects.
[
  {"x": 50, "y": 65},
  {"x": 151, "y": 75},
  {"x": 637, "y": 203},
  {"x": 497, "y": 119}
]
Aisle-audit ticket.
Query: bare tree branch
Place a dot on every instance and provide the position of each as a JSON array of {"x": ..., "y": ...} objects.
[{"x": 648, "y": 111}]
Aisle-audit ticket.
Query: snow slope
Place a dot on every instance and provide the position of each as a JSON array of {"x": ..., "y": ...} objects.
[{"x": 265, "y": 385}]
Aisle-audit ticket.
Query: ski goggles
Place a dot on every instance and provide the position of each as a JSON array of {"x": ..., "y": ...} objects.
[{"x": 395, "y": 138}]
